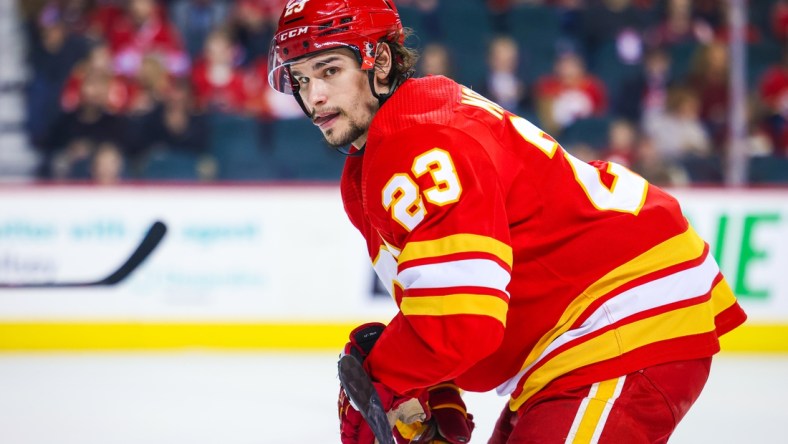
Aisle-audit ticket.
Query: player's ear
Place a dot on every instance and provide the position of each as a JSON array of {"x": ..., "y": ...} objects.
[{"x": 383, "y": 64}]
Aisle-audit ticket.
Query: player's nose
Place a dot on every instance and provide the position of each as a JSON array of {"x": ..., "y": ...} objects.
[{"x": 317, "y": 93}]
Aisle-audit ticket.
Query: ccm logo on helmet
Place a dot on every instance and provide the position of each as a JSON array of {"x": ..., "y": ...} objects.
[
  {"x": 292, "y": 33},
  {"x": 294, "y": 6}
]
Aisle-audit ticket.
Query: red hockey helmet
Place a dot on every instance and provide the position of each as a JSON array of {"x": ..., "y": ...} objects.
[{"x": 310, "y": 26}]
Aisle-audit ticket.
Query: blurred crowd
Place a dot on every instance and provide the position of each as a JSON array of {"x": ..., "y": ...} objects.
[{"x": 124, "y": 90}]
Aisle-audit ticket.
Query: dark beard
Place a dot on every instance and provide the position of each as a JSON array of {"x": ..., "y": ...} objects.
[{"x": 355, "y": 130}]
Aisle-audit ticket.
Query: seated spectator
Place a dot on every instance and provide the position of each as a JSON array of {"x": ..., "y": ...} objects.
[
  {"x": 435, "y": 60},
  {"x": 623, "y": 137},
  {"x": 76, "y": 134},
  {"x": 502, "y": 82},
  {"x": 54, "y": 51},
  {"x": 172, "y": 125},
  {"x": 645, "y": 92},
  {"x": 773, "y": 96},
  {"x": 150, "y": 86},
  {"x": 97, "y": 62},
  {"x": 708, "y": 77},
  {"x": 181, "y": 127},
  {"x": 217, "y": 78},
  {"x": 568, "y": 94},
  {"x": 107, "y": 165},
  {"x": 678, "y": 132},
  {"x": 143, "y": 30}
]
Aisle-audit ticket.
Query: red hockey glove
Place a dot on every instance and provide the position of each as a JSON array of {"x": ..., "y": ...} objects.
[
  {"x": 406, "y": 410},
  {"x": 399, "y": 410},
  {"x": 449, "y": 414},
  {"x": 362, "y": 338},
  {"x": 449, "y": 422}
]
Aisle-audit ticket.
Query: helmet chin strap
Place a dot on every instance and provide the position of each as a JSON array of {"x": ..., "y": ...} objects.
[{"x": 382, "y": 98}]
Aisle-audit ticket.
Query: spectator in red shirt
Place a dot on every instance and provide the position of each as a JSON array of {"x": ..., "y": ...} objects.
[
  {"x": 144, "y": 30},
  {"x": 217, "y": 79},
  {"x": 773, "y": 95},
  {"x": 98, "y": 60},
  {"x": 568, "y": 94}
]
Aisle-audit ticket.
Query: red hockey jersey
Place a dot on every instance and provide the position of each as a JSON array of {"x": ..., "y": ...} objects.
[{"x": 515, "y": 265}]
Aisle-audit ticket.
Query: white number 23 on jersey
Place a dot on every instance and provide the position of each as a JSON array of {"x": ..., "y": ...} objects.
[{"x": 405, "y": 201}]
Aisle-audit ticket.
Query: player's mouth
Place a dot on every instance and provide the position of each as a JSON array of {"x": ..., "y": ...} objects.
[{"x": 325, "y": 120}]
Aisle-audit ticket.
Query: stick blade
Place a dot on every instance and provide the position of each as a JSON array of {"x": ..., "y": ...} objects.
[
  {"x": 151, "y": 240},
  {"x": 358, "y": 387}
]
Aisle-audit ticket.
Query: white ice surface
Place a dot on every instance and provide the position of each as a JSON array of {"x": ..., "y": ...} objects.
[{"x": 202, "y": 397}]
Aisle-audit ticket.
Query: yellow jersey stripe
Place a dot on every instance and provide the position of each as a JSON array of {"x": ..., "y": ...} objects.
[
  {"x": 455, "y": 304},
  {"x": 687, "y": 321},
  {"x": 722, "y": 297},
  {"x": 678, "y": 249},
  {"x": 456, "y": 243}
]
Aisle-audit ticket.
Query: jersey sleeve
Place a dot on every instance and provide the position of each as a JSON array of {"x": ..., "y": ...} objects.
[{"x": 437, "y": 201}]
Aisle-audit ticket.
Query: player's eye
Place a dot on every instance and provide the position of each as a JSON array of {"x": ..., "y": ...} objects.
[
  {"x": 330, "y": 71},
  {"x": 302, "y": 80}
]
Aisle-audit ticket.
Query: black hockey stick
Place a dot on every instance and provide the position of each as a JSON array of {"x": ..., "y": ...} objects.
[
  {"x": 151, "y": 240},
  {"x": 358, "y": 387}
]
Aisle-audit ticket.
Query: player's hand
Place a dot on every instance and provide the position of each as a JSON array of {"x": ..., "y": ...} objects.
[
  {"x": 449, "y": 414},
  {"x": 399, "y": 409},
  {"x": 449, "y": 422},
  {"x": 362, "y": 338}
]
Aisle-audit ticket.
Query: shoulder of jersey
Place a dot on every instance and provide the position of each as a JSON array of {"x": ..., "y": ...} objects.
[{"x": 424, "y": 100}]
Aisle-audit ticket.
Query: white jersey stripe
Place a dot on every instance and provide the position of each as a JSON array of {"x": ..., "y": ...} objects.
[
  {"x": 685, "y": 284},
  {"x": 469, "y": 272}
]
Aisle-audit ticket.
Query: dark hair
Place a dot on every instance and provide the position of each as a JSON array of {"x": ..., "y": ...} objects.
[{"x": 404, "y": 60}]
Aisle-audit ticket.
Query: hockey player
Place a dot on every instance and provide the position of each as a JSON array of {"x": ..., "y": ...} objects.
[{"x": 578, "y": 290}]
